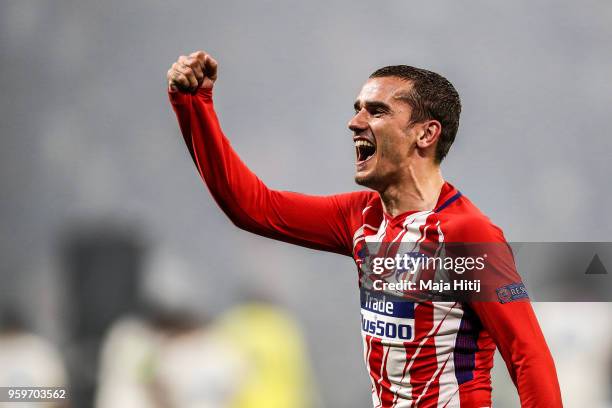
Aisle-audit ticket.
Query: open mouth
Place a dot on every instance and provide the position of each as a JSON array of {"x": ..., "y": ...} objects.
[{"x": 364, "y": 149}]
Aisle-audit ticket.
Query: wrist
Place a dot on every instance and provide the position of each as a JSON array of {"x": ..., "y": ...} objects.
[{"x": 205, "y": 93}]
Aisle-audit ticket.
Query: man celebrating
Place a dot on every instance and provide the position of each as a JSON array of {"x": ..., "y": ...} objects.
[{"x": 418, "y": 354}]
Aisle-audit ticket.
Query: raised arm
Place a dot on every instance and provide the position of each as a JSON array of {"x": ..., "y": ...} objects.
[{"x": 319, "y": 222}]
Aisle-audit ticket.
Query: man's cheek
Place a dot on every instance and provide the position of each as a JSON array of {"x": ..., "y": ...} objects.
[{"x": 387, "y": 155}]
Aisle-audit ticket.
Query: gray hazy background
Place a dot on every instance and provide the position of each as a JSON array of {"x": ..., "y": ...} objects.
[{"x": 88, "y": 135}]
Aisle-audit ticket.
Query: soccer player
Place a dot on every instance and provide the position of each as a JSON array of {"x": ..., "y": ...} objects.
[{"x": 405, "y": 122}]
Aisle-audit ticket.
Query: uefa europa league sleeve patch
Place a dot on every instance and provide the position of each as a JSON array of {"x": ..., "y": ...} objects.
[{"x": 511, "y": 292}]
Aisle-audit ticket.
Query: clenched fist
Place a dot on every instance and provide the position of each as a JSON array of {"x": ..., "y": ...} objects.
[{"x": 188, "y": 73}]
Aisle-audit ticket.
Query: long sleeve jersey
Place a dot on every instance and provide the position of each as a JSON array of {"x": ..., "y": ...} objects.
[{"x": 417, "y": 354}]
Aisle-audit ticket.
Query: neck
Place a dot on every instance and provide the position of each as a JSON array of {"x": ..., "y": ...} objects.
[{"x": 417, "y": 190}]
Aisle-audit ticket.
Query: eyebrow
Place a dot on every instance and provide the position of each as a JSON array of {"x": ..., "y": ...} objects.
[
  {"x": 372, "y": 105},
  {"x": 407, "y": 97}
]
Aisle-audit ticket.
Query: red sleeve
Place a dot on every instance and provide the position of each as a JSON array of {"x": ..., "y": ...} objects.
[
  {"x": 513, "y": 325},
  {"x": 319, "y": 222},
  {"x": 516, "y": 332}
]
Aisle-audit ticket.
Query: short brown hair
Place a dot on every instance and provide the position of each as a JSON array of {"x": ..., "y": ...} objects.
[{"x": 432, "y": 97}]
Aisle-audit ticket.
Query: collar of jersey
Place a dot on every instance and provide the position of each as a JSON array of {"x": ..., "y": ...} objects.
[{"x": 448, "y": 195}]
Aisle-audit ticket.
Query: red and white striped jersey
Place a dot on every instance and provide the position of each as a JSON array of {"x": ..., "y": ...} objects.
[
  {"x": 425, "y": 354},
  {"x": 418, "y": 354}
]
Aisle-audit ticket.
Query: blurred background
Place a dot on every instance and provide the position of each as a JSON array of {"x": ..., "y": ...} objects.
[{"x": 119, "y": 273}]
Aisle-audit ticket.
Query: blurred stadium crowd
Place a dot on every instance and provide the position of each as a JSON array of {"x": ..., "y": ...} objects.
[{"x": 136, "y": 340}]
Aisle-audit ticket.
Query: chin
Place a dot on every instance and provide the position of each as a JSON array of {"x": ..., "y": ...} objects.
[
  {"x": 360, "y": 180},
  {"x": 373, "y": 179},
  {"x": 366, "y": 180}
]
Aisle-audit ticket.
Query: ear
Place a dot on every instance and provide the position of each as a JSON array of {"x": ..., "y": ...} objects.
[{"x": 428, "y": 133}]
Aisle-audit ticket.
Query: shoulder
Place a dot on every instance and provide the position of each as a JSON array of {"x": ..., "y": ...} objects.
[
  {"x": 464, "y": 222},
  {"x": 356, "y": 201}
]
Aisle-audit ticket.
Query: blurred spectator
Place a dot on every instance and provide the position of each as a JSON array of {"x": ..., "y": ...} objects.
[
  {"x": 197, "y": 368},
  {"x": 27, "y": 360},
  {"x": 279, "y": 373},
  {"x": 167, "y": 362},
  {"x": 126, "y": 365}
]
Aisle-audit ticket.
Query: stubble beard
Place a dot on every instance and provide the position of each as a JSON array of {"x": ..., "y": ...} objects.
[{"x": 371, "y": 181}]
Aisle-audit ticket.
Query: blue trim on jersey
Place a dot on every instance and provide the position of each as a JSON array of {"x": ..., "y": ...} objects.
[
  {"x": 448, "y": 202},
  {"x": 466, "y": 346}
]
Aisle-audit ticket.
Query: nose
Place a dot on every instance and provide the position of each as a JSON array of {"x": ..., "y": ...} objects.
[{"x": 358, "y": 123}]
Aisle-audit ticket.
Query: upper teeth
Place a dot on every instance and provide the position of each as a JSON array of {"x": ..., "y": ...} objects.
[{"x": 363, "y": 143}]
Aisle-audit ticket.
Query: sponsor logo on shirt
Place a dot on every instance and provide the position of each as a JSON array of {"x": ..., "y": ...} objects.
[{"x": 386, "y": 317}]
